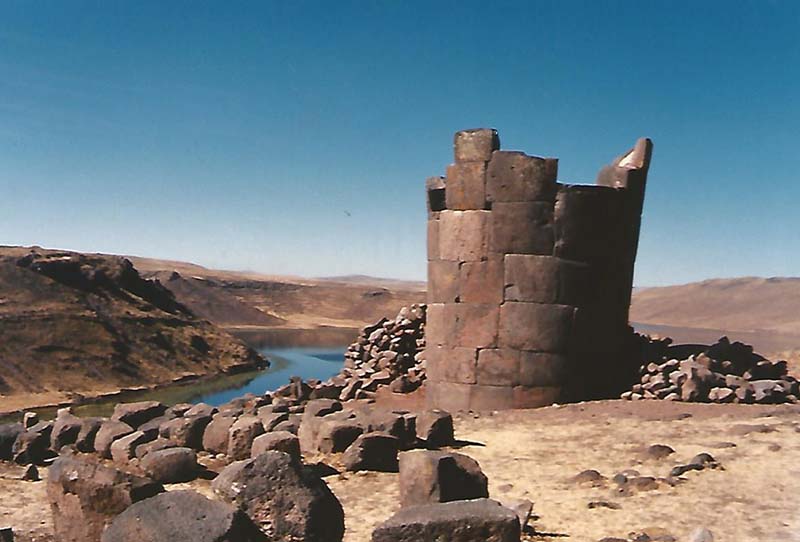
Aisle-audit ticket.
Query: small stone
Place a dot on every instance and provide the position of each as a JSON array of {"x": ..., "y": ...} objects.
[
  {"x": 659, "y": 451},
  {"x": 591, "y": 478},
  {"x": 604, "y": 504},
  {"x": 701, "y": 534}
]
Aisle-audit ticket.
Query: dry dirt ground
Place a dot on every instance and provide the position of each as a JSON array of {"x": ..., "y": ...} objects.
[{"x": 535, "y": 454}]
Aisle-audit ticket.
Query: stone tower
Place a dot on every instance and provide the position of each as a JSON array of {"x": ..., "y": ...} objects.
[{"x": 529, "y": 280}]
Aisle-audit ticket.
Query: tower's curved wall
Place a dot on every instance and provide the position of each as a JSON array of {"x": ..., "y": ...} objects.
[{"x": 529, "y": 280}]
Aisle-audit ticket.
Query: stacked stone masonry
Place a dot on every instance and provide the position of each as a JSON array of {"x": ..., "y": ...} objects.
[{"x": 529, "y": 280}]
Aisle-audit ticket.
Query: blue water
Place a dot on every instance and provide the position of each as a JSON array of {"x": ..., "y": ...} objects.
[{"x": 320, "y": 363}]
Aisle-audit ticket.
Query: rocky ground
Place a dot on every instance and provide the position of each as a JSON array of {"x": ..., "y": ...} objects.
[{"x": 546, "y": 455}]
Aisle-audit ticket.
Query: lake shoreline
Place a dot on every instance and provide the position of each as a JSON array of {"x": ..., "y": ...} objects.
[{"x": 185, "y": 388}]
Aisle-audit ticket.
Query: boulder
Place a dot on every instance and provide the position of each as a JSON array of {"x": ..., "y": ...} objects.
[
  {"x": 89, "y": 428},
  {"x": 135, "y": 414},
  {"x": 181, "y": 516},
  {"x": 285, "y": 499},
  {"x": 66, "y": 429},
  {"x": 435, "y": 476},
  {"x": 375, "y": 451},
  {"x": 85, "y": 496},
  {"x": 110, "y": 431},
  {"x": 399, "y": 424},
  {"x": 201, "y": 409},
  {"x": 215, "y": 437},
  {"x": 154, "y": 445},
  {"x": 33, "y": 445},
  {"x": 311, "y": 429},
  {"x": 124, "y": 449},
  {"x": 8, "y": 434},
  {"x": 171, "y": 465},
  {"x": 281, "y": 441},
  {"x": 241, "y": 436},
  {"x": 270, "y": 419},
  {"x": 186, "y": 432},
  {"x": 335, "y": 436},
  {"x": 179, "y": 410},
  {"x": 290, "y": 426},
  {"x": 480, "y": 520},
  {"x": 435, "y": 428}
]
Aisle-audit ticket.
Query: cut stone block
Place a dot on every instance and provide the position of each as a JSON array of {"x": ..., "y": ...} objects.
[
  {"x": 433, "y": 239},
  {"x": 475, "y": 145},
  {"x": 471, "y": 324},
  {"x": 466, "y": 186},
  {"x": 542, "y": 369},
  {"x": 533, "y": 326},
  {"x": 546, "y": 279},
  {"x": 521, "y": 228},
  {"x": 526, "y": 397},
  {"x": 435, "y": 332},
  {"x": 516, "y": 177},
  {"x": 434, "y": 476},
  {"x": 487, "y": 398},
  {"x": 498, "y": 367},
  {"x": 443, "y": 281},
  {"x": 590, "y": 224},
  {"x": 435, "y": 188},
  {"x": 481, "y": 282},
  {"x": 478, "y": 520},
  {"x": 464, "y": 235},
  {"x": 456, "y": 364},
  {"x": 448, "y": 396}
]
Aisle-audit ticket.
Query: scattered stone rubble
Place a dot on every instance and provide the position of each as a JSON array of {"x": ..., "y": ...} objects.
[
  {"x": 102, "y": 467},
  {"x": 389, "y": 352},
  {"x": 724, "y": 372}
]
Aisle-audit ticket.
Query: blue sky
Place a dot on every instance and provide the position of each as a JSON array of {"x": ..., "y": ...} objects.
[{"x": 295, "y": 137}]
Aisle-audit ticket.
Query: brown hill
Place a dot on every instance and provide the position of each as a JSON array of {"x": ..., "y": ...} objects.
[
  {"x": 76, "y": 323},
  {"x": 247, "y": 302},
  {"x": 762, "y": 311}
]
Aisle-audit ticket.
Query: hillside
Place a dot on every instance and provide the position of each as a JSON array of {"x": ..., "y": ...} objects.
[
  {"x": 83, "y": 324},
  {"x": 761, "y": 311},
  {"x": 251, "y": 303}
]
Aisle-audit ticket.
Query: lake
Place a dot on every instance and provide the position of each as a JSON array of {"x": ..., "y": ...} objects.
[
  {"x": 305, "y": 362},
  {"x": 308, "y": 362}
]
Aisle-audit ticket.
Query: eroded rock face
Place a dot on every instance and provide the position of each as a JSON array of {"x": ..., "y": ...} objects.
[
  {"x": 286, "y": 500},
  {"x": 433, "y": 476},
  {"x": 181, "y": 516},
  {"x": 85, "y": 496},
  {"x": 480, "y": 520}
]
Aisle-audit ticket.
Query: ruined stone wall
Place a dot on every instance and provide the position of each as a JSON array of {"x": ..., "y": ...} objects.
[{"x": 529, "y": 280}]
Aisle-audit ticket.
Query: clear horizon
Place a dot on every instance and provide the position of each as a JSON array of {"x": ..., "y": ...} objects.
[{"x": 295, "y": 139}]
